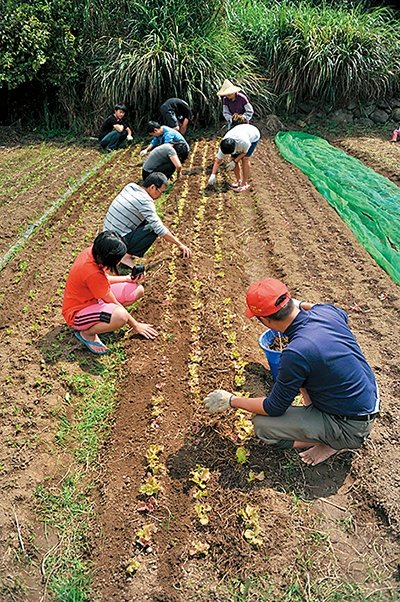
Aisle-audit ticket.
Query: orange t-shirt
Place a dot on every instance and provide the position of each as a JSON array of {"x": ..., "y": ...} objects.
[{"x": 86, "y": 284}]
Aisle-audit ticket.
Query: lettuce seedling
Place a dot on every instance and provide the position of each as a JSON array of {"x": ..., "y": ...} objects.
[
  {"x": 199, "y": 548},
  {"x": 242, "y": 455},
  {"x": 151, "y": 486}
]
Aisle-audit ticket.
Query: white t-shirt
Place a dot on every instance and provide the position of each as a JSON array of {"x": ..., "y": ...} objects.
[{"x": 244, "y": 136}]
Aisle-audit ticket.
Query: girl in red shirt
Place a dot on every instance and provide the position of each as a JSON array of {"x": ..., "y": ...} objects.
[{"x": 95, "y": 295}]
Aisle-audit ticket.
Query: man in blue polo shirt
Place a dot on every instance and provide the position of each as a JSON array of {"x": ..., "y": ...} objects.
[
  {"x": 162, "y": 134},
  {"x": 322, "y": 360}
]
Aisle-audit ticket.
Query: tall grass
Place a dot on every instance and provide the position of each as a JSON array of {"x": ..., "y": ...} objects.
[
  {"x": 332, "y": 54},
  {"x": 179, "y": 49}
]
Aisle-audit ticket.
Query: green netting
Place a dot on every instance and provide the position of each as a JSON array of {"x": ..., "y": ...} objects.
[{"x": 366, "y": 201}]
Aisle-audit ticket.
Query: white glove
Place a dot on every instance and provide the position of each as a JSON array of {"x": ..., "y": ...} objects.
[
  {"x": 212, "y": 179},
  {"x": 218, "y": 401},
  {"x": 143, "y": 153},
  {"x": 231, "y": 166},
  {"x": 129, "y": 138}
]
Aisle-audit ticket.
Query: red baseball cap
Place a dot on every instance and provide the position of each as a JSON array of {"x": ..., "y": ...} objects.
[{"x": 263, "y": 296}]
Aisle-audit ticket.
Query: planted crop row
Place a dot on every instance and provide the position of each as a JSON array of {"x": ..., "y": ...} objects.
[
  {"x": 19, "y": 161},
  {"x": 195, "y": 357},
  {"x": 69, "y": 237},
  {"x": 201, "y": 475},
  {"x": 35, "y": 176},
  {"x": 151, "y": 487}
]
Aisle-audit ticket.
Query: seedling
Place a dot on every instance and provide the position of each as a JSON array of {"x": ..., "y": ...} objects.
[
  {"x": 156, "y": 402},
  {"x": 200, "y": 476},
  {"x": 151, "y": 486},
  {"x": 147, "y": 506},
  {"x": 255, "y": 476},
  {"x": 153, "y": 464},
  {"x": 144, "y": 536},
  {"x": 132, "y": 567},
  {"x": 251, "y": 520},
  {"x": 198, "y": 494},
  {"x": 199, "y": 548},
  {"x": 243, "y": 426},
  {"x": 202, "y": 512},
  {"x": 242, "y": 455}
]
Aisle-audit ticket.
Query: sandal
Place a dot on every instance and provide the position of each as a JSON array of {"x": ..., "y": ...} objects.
[
  {"x": 92, "y": 345},
  {"x": 234, "y": 185}
]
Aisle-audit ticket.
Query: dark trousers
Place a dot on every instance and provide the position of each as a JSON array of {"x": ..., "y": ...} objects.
[
  {"x": 140, "y": 240},
  {"x": 166, "y": 171},
  {"x": 113, "y": 140}
]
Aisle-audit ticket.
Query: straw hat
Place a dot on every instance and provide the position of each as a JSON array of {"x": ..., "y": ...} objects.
[{"x": 228, "y": 88}]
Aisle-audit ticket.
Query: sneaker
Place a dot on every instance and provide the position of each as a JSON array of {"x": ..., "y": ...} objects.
[{"x": 242, "y": 188}]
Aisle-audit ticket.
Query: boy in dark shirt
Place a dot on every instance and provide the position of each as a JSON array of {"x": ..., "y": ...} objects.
[
  {"x": 176, "y": 114},
  {"x": 115, "y": 129}
]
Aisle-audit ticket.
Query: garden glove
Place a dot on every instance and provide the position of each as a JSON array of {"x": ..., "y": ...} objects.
[
  {"x": 212, "y": 179},
  {"x": 143, "y": 153},
  {"x": 231, "y": 166},
  {"x": 218, "y": 401},
  {"x": 129, "y": 138}
]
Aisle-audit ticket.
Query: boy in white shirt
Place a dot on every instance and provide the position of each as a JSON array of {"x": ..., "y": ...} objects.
[{"x": 240, "y": 142}]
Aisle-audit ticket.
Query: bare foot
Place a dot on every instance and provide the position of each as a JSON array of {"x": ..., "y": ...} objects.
[{"x": 317, "y": 454}]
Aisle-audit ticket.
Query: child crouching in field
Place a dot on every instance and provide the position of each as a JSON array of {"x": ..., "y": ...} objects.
[
  {"x": 95, "y": 295},
  {"x": 395, "y": 135}
]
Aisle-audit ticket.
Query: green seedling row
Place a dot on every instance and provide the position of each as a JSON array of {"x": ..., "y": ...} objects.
[{"x": 35, "y": 176}]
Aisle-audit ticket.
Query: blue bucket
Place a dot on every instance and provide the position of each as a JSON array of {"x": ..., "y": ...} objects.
[{"x": 273, "y": 357}]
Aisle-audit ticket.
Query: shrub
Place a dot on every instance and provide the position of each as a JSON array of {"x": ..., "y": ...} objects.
[
  {"x": 327, "y": 53},
  {"x": 179, "y": 49}
]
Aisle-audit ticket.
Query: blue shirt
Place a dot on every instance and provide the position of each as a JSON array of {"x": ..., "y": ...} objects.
[
  {"x": 324, "y": 357},
  {"x": 169, "y": 136}
]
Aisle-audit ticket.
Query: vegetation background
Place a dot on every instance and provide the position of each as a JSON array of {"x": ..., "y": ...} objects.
[{"x": 63, "y": 63}]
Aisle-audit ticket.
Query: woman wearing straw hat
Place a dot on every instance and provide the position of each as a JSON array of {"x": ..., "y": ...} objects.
[{"x": 236, "y": 107}]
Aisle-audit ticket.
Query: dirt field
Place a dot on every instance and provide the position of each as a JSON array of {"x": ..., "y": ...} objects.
[{"x": 327, "y": 533}]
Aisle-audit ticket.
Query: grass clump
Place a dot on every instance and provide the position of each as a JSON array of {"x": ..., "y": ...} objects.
[
  {"x": 173, "y": 49},
  {"x": 69, "y": 511},
  {"x": 67, "y": 507},
  {"x": 330, "y": 53}
]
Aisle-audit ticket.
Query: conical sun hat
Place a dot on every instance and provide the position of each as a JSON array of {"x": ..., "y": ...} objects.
[{"x": 228, "y": 88}]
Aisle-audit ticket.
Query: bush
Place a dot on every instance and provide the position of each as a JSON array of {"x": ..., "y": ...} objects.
[
  {"x": 331, "y": 54},
  {"x": 179, "y": 49}
]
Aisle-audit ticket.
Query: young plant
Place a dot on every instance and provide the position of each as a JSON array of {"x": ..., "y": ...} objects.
[
  {"x": 252, "y": 528},
  {"x": 255, "y": 476},
  {"x": 153, "y": 463},
  {"x": 144, "y": 536},
  {"x": 199, "y": 548},
  {"x": 132, "y": 566},
  {"x": 242, "y": 455},
  {"x": 243, "y": 425},
  {"x": 202, "y": 510},
  {"x": 200, "y": 476},
  {"x": 151, "y": 486}
]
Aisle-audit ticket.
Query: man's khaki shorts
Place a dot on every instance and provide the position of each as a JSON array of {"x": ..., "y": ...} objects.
[{"x": 309, "y": 424}]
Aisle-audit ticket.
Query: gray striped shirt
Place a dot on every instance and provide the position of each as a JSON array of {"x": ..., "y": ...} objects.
[{"x": 130, "y": 208}]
